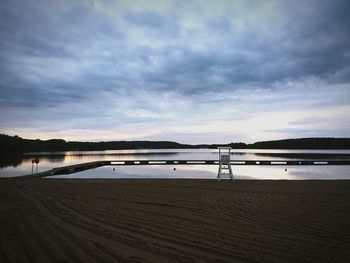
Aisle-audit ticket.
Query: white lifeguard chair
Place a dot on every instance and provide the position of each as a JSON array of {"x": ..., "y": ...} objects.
[{"x": 225, "y": 162}]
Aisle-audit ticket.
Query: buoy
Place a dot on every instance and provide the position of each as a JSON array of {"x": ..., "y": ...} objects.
[
  {"x": 285, "y": 170},
  {"x": 174, "y": 169}
]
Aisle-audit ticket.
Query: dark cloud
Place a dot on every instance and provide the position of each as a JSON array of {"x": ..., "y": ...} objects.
[
  {"x": 154, "y": 22},
  {"x": 315, "y": 43},
  {"x": 40, "y": 39},
  {"x": 59, "y": 53}
]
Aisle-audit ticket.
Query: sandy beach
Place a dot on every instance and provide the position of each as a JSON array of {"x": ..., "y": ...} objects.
[{"x": 52, "y": 220}]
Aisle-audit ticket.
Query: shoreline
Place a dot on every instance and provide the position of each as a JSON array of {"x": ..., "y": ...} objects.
[{"x": 174, "y": 220}]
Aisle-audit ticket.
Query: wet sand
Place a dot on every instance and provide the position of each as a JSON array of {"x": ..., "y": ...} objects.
[{"x": 52, "y": 220}]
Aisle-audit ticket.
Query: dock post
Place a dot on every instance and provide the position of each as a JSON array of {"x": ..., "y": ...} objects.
[{"x": 224, "y": 162}]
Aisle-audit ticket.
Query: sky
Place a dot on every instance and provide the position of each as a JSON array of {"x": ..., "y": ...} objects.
[{"x": 186, "y": 71}]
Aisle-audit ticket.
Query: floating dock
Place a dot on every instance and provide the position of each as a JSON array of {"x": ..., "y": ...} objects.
[{"x": 91, "y": 165}]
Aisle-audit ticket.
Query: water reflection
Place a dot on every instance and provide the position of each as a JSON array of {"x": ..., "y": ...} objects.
[
  {"x": 210, "y": 172},
  {"x": 12, "y": 161},
  {"x": 21, "y": 165},
  {"x": 144, "y": 171},
  {"x": 305, "y": 155}
]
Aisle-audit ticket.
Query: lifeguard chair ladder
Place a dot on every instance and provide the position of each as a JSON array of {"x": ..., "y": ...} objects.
[{"x": 224, "y": 162}]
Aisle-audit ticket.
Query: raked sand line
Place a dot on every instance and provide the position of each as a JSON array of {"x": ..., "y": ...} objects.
[
  {"x": 127, "y": 230},
  {"x": 174, "y": 221}
]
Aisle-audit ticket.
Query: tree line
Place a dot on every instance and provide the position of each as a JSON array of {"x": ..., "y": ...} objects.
[{"x": 16, "y": 144}]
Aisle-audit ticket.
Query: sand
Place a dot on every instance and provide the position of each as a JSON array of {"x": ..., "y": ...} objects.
[{"x": 52, "y": 220}]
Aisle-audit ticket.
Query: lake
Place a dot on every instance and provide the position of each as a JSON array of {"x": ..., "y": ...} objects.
[{"x": 10, "y": 167}]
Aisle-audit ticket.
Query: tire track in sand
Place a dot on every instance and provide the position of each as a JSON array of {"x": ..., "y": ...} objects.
[
  {"x": 57, "y": 241},
  {"x": 248, "y": 209},
  {"x": 180, "y": 247},
  {"x": 120, "y": 251}
]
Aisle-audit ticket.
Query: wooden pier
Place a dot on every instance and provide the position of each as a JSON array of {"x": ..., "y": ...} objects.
[{"x": 91, "y": 165}]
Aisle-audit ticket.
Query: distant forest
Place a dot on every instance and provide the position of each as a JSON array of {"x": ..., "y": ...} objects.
[{"x": 16, "y": 145}]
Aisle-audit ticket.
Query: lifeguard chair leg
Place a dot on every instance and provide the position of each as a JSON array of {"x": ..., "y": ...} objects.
[
  {"x": 231, "y": 174},
  {"x": 219, "y": 172}
]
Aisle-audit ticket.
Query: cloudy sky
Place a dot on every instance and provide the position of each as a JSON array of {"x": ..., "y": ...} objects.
[{"x": 186, "y": 71}]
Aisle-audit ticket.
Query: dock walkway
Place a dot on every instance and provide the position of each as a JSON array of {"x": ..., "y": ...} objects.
[{"x": 90, "y": 165}]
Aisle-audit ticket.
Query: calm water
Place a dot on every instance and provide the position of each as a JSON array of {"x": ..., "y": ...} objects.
[{"x": 49, "y": 160}]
